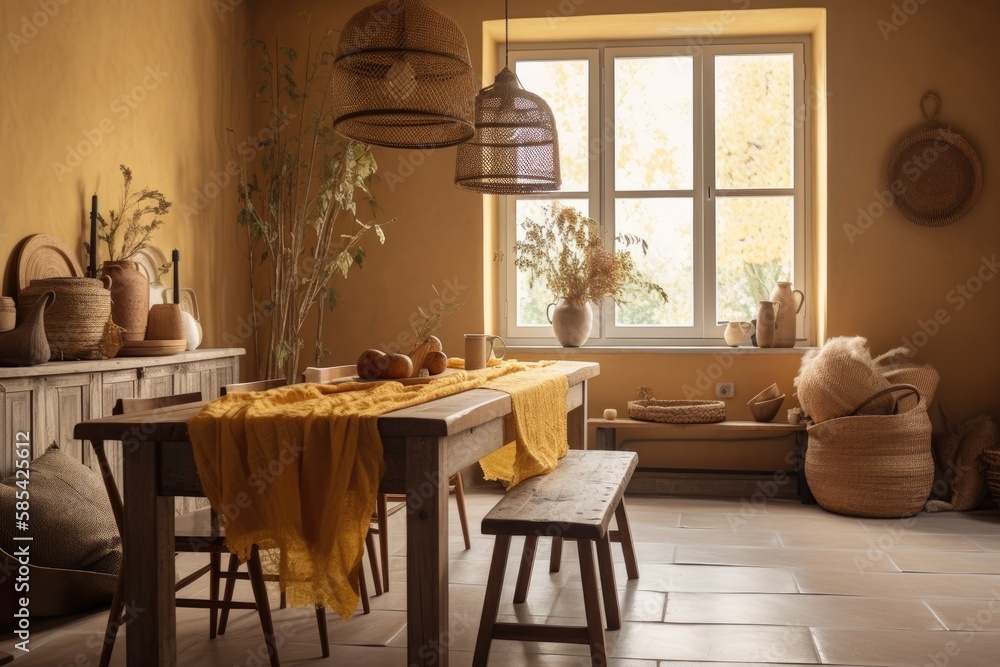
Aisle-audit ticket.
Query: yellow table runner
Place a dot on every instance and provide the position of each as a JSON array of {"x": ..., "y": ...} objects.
[{"x": 297, "y": 469}]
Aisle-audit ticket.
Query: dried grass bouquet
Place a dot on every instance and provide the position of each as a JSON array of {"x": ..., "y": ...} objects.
[{"x": 567, "y": 254}]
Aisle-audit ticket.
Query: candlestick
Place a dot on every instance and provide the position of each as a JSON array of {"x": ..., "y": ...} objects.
[
  {"x": 92, "y": 269},
  {"x": 177, "y": 278}
]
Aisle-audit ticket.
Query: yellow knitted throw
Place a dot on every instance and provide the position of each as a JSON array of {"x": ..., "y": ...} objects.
[{"x": 297, "y": 469}]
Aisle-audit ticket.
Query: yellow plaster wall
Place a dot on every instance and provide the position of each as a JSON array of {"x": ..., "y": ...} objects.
[
  {"x": 86, "y": 86},
  {"x": 881, "y": 284}
]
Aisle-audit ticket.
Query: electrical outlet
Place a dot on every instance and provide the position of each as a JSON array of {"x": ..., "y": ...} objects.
[{"x": 725, "y": 389}]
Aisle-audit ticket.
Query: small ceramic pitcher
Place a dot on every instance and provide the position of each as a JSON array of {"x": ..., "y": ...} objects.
[
  {"x": 737, "y": 332},
  {"x": 767, "y": 319},
  {"x": 791, "y": 301}
]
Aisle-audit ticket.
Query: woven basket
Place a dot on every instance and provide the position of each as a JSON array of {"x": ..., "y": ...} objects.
[
  {"x": 991, "y": 458},
  {"x": 77, "y": 323},
  {"x": 877, "y": 466},
  {"x": 678, "y": 412},
  {"x": 935, "y": 174}
]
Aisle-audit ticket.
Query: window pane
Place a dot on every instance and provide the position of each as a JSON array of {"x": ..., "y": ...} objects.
[
  {"x": 754, "y": 121},
  {"x": 667, "y": 225},
  {"x": 654, "y": 125},
  {"x": 754, "y": 250},
  {"x": 532, "y": 302},
  {"x": 565, "y": 85}
]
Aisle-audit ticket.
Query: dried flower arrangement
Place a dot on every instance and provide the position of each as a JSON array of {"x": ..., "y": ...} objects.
[
  {"x": 430, "y": 324},
  {"x": 566, "y": 252},
  {"x": 137, "y": 232}
]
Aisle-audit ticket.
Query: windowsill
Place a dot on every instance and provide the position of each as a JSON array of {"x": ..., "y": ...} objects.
[{"x": 659, "y": 349}]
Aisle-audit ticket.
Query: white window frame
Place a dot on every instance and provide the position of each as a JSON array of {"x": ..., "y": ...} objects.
[{"x": 602, "y": 195}]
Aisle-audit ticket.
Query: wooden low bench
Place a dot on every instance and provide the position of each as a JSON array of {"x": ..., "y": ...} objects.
[{"x": 573, "y": 502}]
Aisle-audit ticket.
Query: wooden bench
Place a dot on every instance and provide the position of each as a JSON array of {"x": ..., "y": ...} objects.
[
  {"x": 573, "y": 502},
  {"x": 608, "y": 430}
]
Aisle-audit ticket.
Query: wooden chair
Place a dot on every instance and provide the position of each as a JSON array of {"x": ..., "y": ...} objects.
[
  {"x": 198, "y": 532},
  {"x": 387, "y": 504}
]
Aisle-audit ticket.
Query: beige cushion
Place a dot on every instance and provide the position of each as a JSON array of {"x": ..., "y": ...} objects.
[
  {"x": 834, "y": 380},
  {"x": 71, "y": 523}
]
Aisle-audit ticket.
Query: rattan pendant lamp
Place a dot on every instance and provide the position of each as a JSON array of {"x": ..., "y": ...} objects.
[
  {"x": 403, "y": 78},
  {"x": 516, "y": 147}
]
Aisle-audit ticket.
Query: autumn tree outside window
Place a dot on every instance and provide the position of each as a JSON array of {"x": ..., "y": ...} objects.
[{"x": 699, "y": 150}]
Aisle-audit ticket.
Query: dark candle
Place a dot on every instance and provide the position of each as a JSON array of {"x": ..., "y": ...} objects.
[
  {"x": 177, "y": 278},
  {"x": 92, "y": 269}
]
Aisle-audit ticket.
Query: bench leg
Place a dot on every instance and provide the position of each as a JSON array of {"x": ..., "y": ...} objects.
[
  {"x": 612, "y": 611},
  {"x": 263, "y": 605},
  {"x": 625, "y": 537},
  {"x": 324, "y": 637},
  {"x": 592, "y": 604},
  {"x": 227, "y": 596},
  {"x": 373, "y": 560},
  {"x": 555, "y": 562},
  {"x": 494, "y": 587},
  {"x": 524, "y": 573}
]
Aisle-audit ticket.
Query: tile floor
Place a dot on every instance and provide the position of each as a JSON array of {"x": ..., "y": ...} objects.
[{"x": 722, "y": 582}]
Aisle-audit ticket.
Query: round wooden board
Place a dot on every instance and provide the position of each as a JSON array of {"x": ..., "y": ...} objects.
[
  {"x": 45, "y": 256},
  {"x": 152, "y": 348}
]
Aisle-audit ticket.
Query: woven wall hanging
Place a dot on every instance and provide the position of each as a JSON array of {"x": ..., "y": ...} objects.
[{"x": 935, "y": 175}]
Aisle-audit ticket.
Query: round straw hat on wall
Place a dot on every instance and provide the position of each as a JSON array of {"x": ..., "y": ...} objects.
[
  {"x": 403, "y": 78},
  {"x": 935, "y": 174}
]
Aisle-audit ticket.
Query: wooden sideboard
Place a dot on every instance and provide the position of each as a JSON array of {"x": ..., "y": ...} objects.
[{"x": 49, "y": 400}]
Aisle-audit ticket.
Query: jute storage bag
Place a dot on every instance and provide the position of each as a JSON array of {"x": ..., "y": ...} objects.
[{"x": 878, "y": 466}]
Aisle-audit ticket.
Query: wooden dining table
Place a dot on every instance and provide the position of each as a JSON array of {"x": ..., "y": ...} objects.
[{"x": 424, "y": 446}]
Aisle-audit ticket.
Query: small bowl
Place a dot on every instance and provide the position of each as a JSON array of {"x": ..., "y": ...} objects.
[
  {"x": 765, "y": 411},
  {"x": 768, "y": 394}
]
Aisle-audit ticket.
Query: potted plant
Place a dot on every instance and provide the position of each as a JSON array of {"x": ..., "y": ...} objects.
[
  {"x": 566, "y": 253},
  {"x": 132, "y": 221},
  {"x": 300, "y": 187}
]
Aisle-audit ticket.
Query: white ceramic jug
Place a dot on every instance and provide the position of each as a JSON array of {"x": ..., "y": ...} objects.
[
  {"x": 737, "y": 333},
  {"x": 784, "y": 335}
]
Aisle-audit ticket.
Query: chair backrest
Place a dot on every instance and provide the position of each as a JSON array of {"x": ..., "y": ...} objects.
[
  {"x": 329, "y": 373},
  {"x": 126, "y": 406},
  {"x": 258, "y": 385}
]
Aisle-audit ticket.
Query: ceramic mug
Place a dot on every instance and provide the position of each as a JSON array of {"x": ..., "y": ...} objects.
[{"x": 478, "y": 348}]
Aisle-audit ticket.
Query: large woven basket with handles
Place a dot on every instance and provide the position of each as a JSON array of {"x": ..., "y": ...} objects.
[{"x": 873, "y": 465}]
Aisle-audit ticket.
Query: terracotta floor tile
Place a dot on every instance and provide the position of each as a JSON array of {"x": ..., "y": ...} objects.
[
  {"x": 818, "y": 559},
  {"x": 898, "y": 585},
  {"x": 937, "y": 561},
  {"x": 970, "y": 615},
  {"x": 908, "y": 648},
  {"x": 824, "y": 611}
]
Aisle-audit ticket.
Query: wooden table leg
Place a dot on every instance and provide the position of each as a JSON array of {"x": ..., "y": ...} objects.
[
  {"x": 576, "y": 421},
  {"x": 426, "y": 551},
  {"x": 606, "y": 438},
  {"x": 149, "y": 563}
]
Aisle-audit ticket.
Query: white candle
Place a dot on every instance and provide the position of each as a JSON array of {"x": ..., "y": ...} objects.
[{"x": 610, "y": 413}]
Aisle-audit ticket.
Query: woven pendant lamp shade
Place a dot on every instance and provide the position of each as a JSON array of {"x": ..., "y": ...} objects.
[
  {"x": 516, "y": 147},
  {"x": 403, "y": 78}
]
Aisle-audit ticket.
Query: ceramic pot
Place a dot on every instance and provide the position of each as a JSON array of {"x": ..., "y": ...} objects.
[
  {"x": 784, "y": 335},
  {"x": 129, "y": 298},
  {"x": 767, "y": 316},
  {"x": 166, "y": 322},
  {"x": 192, "y": 331},
  {"x": 570, "y": 323},
  {"x": 8, "y": 314}
]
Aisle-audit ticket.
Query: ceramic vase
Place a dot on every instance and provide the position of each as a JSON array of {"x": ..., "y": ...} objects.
[
  {"x": 27, "y": 345},
  {"x": 784, "y": 335},
  {"x": 571, "y": 323},
  {"x": 129, "y": 298},
  {"x": 767, "y": 316}
]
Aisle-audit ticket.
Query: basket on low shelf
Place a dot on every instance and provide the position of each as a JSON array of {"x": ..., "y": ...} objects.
[
  {"x": 678, "y": 412},
  {"x": 991, "y": 457}
]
